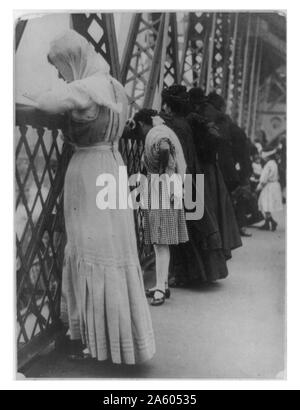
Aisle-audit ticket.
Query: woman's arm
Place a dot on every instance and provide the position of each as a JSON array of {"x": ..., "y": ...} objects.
[
  {"x": 164, "y": 155},
  {"x": 264, "y": 178},
  {"x": 68, "y": 97}
]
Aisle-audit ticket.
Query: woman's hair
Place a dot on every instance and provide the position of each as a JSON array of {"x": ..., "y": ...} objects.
[
  {"x": 133, "y": 128},
  {"x": 145, "y": 115},
  {"x": 216, "y": 100},
  {"x": 197, "y": 96},
  {"x": 253, "y": 150},
  {"x": 177, "y": 98},
  {"x": 262, "y": 137}
]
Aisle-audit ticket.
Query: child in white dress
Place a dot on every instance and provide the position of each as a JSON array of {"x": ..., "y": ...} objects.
[{"x": 270, "y": 199}]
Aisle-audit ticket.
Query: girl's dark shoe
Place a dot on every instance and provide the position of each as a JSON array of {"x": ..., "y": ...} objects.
[
  {"x": 158, "y": 301},
  {"x": 265, "y": 227},
  {"x": 150, "y": 293},
  {"x": 274, "y": 225},
  {"x": 76, "y": 351}
]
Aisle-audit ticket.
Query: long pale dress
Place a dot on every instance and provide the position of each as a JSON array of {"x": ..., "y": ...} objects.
[
  {"x": 102, "y": 278},
  {"x": 270, "y": 199}
]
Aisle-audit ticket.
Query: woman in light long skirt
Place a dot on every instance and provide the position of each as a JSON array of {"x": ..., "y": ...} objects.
[{"x": 102, "y": 278}]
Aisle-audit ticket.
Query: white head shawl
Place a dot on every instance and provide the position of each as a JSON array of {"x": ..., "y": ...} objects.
[
  {"x": 160, "y": 131},
  {"x": 79, "y": 64}
]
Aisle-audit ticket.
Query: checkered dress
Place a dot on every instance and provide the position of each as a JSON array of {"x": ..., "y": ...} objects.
[{"x": 163, "y": 226}]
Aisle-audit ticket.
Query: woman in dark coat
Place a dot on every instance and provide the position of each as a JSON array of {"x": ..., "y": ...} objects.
[
  {"x": 207, "y": 126},
  {"x": 202, "y": 257},
  {"x": 213, "y": 111},
  {"x": 235, "y": 163}
]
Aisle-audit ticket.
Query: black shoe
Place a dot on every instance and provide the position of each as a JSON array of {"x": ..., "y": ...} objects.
[
  {"x": 76, "y": 351},
  {"x": 265, "y": 227},
  {"x": 158, "y": 301},
  {"x": 150, "y": 293},
  {"x": 274, "y": 225}
]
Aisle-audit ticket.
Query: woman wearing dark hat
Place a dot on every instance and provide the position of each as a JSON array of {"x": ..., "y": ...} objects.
[
  {"x": 234, "y": 161},
  {"x": 207, "y": 140},
  {"x": 214, "y": 112},
  {"x": 202, "y": 257}
]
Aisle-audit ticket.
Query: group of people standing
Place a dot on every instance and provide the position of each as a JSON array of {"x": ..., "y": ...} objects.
[
  {"x": 188, "y": 250},
  {"x": 103, "y": 290}
]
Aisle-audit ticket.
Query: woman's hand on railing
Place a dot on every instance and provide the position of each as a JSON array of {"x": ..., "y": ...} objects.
[
  {"x": 31, "y": 96},
  {"x": 30, "y": 115}
]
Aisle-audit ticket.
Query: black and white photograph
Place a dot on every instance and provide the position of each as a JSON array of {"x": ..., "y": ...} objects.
[{"x": 150, "y": 194}]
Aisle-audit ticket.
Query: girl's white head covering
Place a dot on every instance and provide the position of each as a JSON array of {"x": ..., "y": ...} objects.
[
  {"x": 78, "y": 62},
  {"x": 267, "y": 154},
  {"x": 159, "y": 131}
]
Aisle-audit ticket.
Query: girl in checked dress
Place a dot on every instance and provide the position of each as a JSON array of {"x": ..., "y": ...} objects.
[{"x": 164, "y": 225}]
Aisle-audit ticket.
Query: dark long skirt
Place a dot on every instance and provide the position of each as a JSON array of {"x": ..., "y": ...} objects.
[
  {"x": 223, "y": 209},
  {"x": 203, "y": 257}
]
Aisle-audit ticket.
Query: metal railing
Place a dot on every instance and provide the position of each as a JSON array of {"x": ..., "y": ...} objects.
[{"x": 41, "y": 161}]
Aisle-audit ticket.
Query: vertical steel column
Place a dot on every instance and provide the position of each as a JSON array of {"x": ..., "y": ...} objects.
[
  {"x": 232, "y": 65},
  {"x": 128, "y": 49},
  {"x": 185, "y": 48},
  {"x": 164, "y": 52},
  {"x": 245, "y": 70},
  {"x": 227, "y": 52},
  {"x": 256, "y": 92},
  {"x": 211, "y": 53},
  {"x": 174, "y": 46},
  {"x": 155, "y": 69},
  {"x": 136, "y": 67},
  {"x": 193, "y": 67},
  {"x": 238, "y": 68},
  {"x": 113, "y": 52},
  {"x": 204, "y": 66},
  {"x": 252, "y": 78},
  {"x": 146, "y": 74}
]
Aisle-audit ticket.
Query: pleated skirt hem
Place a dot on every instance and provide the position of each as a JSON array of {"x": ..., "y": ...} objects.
[{"x": 107, "y": 309}]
